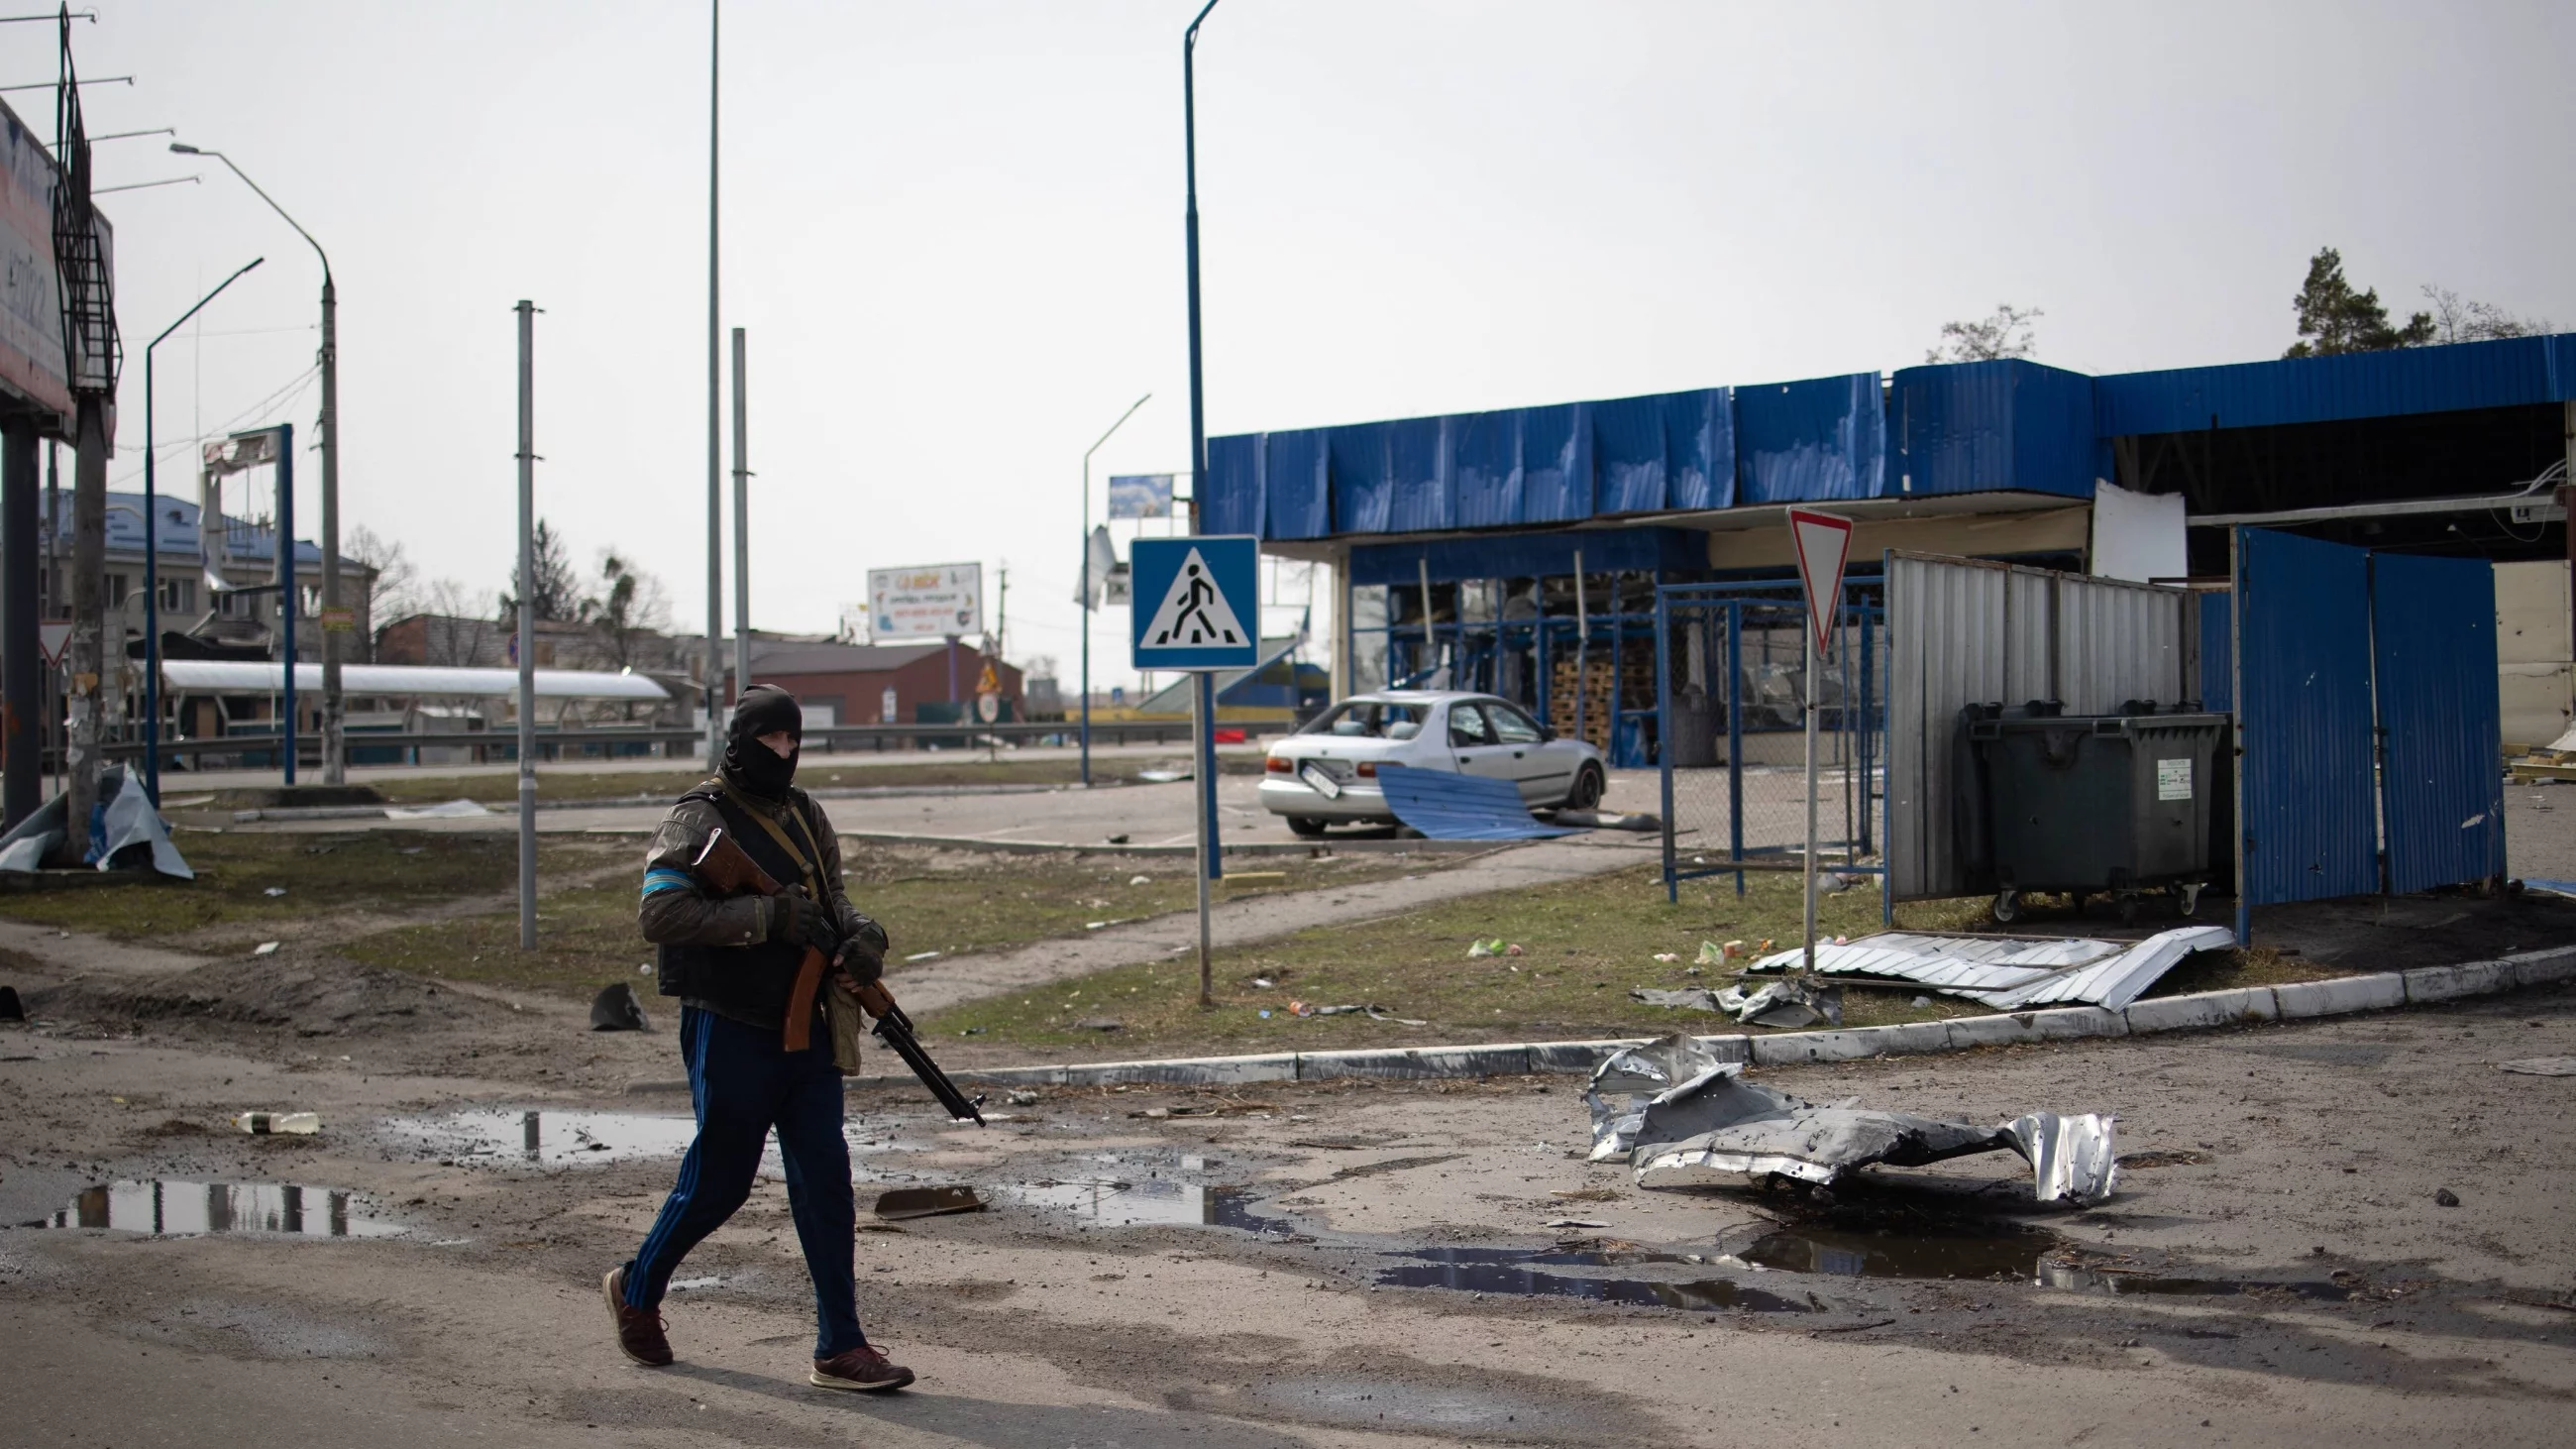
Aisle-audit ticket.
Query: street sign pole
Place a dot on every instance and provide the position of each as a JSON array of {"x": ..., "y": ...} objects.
[
  {"x": 1198, "y": 609},
  {"x": 1822, "y": 542}
]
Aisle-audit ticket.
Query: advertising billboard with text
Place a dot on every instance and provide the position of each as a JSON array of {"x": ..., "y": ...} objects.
[{"x": 934, "y": 601}]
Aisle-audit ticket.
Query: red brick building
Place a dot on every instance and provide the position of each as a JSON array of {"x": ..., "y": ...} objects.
[{"x": 855, "y": 681}]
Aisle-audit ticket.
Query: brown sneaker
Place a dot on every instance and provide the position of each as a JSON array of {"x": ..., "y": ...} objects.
[
  {"x": 862, "y": 1368},
  {"x": 639, "y": 1330}
]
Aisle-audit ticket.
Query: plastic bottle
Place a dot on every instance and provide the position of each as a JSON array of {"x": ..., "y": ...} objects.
[{"x": 261, "y": 1124}]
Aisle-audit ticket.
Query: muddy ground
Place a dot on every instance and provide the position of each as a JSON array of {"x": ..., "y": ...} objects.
[{"x": 1285, "y": 1265}]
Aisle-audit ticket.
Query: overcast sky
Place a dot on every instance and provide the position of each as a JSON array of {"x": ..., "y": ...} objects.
[{"x": 954, "y": 229}]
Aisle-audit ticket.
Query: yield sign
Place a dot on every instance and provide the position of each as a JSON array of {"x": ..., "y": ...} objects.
[{"x": 1823, "y": 542}]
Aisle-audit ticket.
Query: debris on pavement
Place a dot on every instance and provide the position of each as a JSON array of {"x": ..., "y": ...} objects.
[
  {"x": 11, "y": 1008},
  {"x": 1792, "y": 1001},
  {"x": 2444, "y": 1197},
  {"x": 1637, "y": 821},
  {"x": 616, "y": 1009},
  {"x": 2011, "y": 972},
  {"x": 1021, "y": 1097},
  {"x": 1705, "y": 1125},
  {"x": 264, "y": 948},
  {"x": 1137, "y": 880},
  {"x": 1698, "y": 998},
  {"x": 1573, "y": 1223},
  {"x": 1447, "y": 806},
  {"x": 897, "y": 1204},
  {"x": 2541, "y": 1067},
  {"x": 264, "y": 1124},
  {"x": 1162, "y": 776}
]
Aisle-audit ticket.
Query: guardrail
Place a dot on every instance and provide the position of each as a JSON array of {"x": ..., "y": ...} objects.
[{"x": 499, "y": 745}]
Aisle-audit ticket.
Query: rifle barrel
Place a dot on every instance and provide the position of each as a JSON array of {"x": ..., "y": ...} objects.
[{"x": 896, "y": 1032}]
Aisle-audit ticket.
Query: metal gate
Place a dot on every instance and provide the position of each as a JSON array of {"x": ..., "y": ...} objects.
[
  {"x": 2368, "y": 721},
  {"x": 2441, "y": 726},
  {"x": 1730, "y": 731}
]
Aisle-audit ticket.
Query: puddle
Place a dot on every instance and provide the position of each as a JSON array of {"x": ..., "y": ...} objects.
[
  {"x": 1110, "y": 1203},
  {"x": 549, "y": 1139},
  {"x": 166, "y": 1207},
  {"x": 2002, "y": 1252},
  {"x": 1537, "y": 1273},
  {"x": 492, "y": 1137},
  {"x": 2120, "y": 1283}
]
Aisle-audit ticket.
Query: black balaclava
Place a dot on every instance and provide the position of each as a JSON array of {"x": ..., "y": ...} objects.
[{"x": 749, "y": 765}]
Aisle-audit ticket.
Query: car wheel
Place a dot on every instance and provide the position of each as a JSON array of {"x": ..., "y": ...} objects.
[
  {"x": 1306, "y": 825},
  {"x": 1587, "y": 789}
]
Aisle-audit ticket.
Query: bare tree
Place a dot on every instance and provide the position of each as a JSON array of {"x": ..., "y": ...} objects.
[
  {"x": 454, "y": 630},
  {"x": 630, "y": 607},
  {"x": 2458, "y": 320},
  {"x": 2007, "y": 333},
  {"x": 392, "y": 583}
]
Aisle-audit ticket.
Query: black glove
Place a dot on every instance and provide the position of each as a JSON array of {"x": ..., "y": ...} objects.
[
  {"x": 792, "y": 917},
  {"x": 860, "y": 960}
]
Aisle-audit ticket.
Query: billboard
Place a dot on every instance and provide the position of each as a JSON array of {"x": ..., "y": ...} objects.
[
  {"x": 31, "y": 310},
  {"x": 1140, "y": 495},
  {"x": 935, "y": 601}
]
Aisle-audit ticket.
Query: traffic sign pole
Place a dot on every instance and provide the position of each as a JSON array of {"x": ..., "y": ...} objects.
[
  {"x": 1198, "y": 608},
  {"x": 1822, "y": 542}
]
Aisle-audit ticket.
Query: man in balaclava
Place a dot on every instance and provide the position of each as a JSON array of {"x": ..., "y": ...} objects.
[{"x": 732, "y": 960}]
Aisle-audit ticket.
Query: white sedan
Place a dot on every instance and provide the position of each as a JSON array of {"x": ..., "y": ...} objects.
[{"x": 1326, "y": 773}]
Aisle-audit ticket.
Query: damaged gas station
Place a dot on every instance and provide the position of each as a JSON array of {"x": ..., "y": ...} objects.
[{"x": 1976, "y": 903}]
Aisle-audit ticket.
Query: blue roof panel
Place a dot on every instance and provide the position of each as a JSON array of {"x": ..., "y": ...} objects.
[{"x": 2511, "y": 372}]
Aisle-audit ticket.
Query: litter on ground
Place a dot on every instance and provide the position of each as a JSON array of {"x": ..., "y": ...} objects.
[
  {"x": 2011, "y": 972},
  {"x": 1685, "y": 1119},
  {"x": 2541, "y": 1067}
]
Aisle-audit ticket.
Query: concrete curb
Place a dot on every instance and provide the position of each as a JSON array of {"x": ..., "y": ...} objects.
[{"x": 2199, "y": 1012}]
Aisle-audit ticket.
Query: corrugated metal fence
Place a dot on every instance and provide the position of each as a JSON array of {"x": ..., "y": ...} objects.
[{"x": 1964, "y": 632}]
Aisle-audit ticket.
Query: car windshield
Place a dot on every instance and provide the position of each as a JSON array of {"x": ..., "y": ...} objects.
[{"x": 1371, "y": 719}]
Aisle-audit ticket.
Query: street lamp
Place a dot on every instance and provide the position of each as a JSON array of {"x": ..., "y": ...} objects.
[
  {"x": 335, "y": 762},
  {"x": 152, "y": 557},
  {"x": 1088, "y": 600}
]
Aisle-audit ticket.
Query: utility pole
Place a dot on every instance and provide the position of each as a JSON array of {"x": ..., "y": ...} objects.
[
  {"x": 527, "y": 625},
  {"x": 335, "y": 627},
  {"x": 741, "y": 524},
  {"x": 1190, "y": 166},
  {"x": 715, "y": 385},
  {"x": 21, "y": 749}
]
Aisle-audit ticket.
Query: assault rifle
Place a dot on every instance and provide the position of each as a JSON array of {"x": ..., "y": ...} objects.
[{"x": 726, "y": 866}]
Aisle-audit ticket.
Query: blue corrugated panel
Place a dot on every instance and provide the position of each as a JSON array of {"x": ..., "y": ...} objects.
[
  {"x": 2434, "y": 630},
  {"x": 1485, "y": 469},
  {"x": 1627, "y": 455},
  {"x": 1238, "y": 506},
  {"x": 1699, "y": 448},
  {"x": 1418, "y": 476},
  {"x": 1446, "y": 806},
  {"x": 2512, "y": 372},
  {"x": 2217, "y": 650},
  {"x": 1556, "y": 464},
  {"x": 2310, "y": 829},
  {"x": 1976, "y": 427},
  {"x": 1298, "y": 483},
  {"x": 1811, "y": 441},
  {"x": 1357, "y": 459},
  {"x": 1530, "y": 555}
]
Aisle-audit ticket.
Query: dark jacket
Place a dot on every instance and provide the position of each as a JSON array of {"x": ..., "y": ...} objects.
[{"x": 715, "y": 952}]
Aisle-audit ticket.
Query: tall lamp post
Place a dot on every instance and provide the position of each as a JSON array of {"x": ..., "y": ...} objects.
[
  {"x": 152, "y": 556},
  {"x": 335, "y": 754},
  {"x": 1090, "y": 593}
]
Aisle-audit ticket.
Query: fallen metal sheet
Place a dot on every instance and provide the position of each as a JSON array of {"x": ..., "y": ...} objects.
[
  {"x": 2541, "y": 1067},
  {"x": 1447, "y": 806},
  {"x": 1792, "y": 1001},
  {"x": 1716, "y": 1128},
  {"x": 1696, "y": 998},
  {"x": 2012, "y": 972},
  {"x": 444, "y": 810}
]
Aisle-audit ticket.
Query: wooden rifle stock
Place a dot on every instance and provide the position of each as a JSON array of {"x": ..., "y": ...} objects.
[{"x": 726, "y": 866}]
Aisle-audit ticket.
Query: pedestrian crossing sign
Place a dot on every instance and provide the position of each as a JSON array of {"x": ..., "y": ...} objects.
[{"x": 1198, "y": 602}]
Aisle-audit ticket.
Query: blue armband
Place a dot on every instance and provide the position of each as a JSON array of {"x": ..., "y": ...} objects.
[{"x": 666, "y": 879}]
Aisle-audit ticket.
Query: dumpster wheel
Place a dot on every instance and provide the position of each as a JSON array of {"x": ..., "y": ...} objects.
[
  {"x": 2187, "y": 899},
  {"x": 2007, "y": 907}
]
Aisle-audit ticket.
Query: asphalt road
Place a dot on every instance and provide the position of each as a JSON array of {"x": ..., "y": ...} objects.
[{"x": 2350, "y": 1232}]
